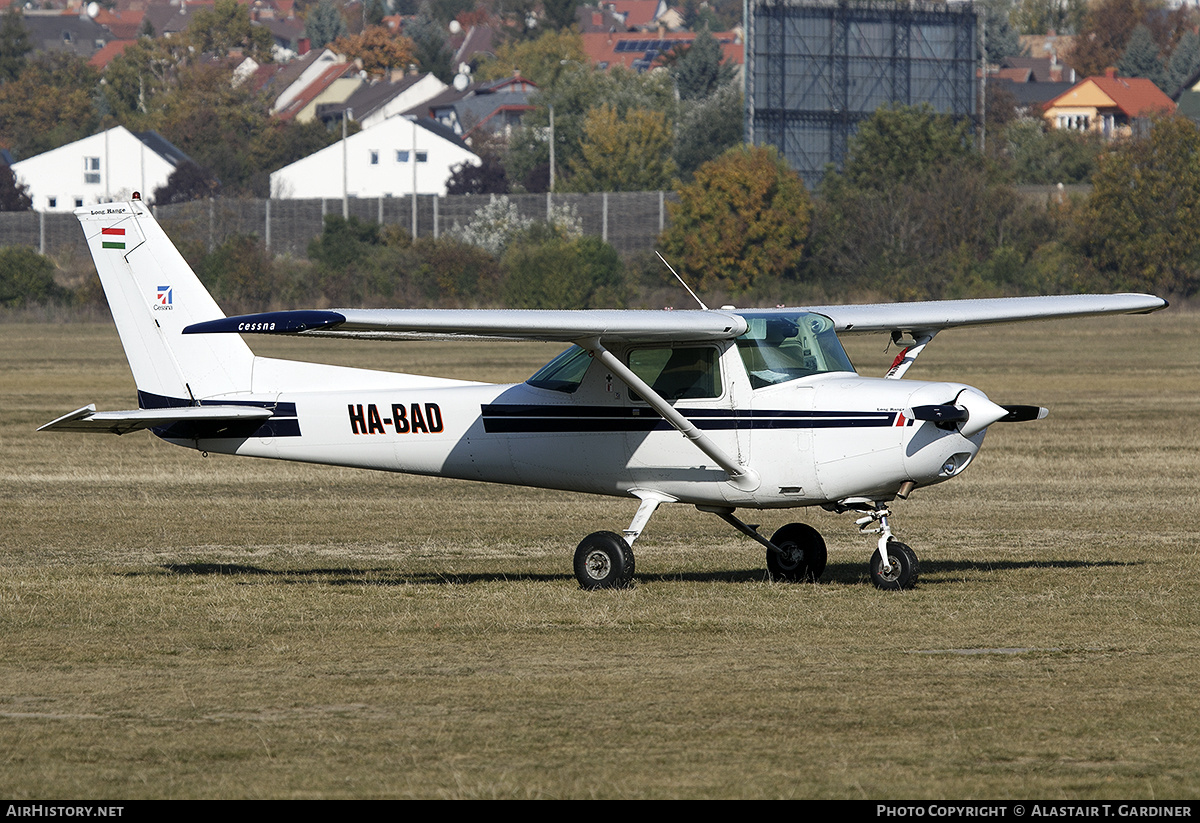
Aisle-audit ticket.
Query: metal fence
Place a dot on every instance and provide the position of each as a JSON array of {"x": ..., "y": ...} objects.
[{"x": 629, "y": 221}]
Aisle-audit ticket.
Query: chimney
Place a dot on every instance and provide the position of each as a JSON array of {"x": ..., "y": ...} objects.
[{"x": 1110, "y": 72}]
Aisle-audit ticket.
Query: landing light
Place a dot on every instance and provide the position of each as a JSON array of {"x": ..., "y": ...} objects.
[{"x": 955, "y": 464}]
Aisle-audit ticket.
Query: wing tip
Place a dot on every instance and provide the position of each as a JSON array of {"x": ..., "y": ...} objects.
[{"x": 272, "y": 322}]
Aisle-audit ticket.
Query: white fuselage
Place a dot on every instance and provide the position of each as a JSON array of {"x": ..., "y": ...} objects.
[{"x": 812, "y": 440}]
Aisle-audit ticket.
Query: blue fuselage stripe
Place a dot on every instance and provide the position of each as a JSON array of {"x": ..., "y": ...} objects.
[{"x": 509, "y": 419}]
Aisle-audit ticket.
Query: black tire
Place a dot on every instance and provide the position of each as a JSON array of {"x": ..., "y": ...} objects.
[
  {"x": 805, "y": 555},
  {"x": 904, "y": 568},
  {"x": 603, "y": 560}
]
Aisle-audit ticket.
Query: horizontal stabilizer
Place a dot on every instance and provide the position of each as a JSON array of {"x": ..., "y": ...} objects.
[{"x": 88, "y": 419}]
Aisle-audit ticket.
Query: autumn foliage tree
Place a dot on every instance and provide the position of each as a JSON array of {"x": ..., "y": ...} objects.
[
  {"x": 377, "y": 48},
  {"x": 1107, "y": 27},
  {"x": 630, "y": 153},
  {"x": 741, "y": 224}
]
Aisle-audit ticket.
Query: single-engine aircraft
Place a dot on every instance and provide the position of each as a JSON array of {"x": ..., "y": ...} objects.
[{"x": 721, "y": 409}]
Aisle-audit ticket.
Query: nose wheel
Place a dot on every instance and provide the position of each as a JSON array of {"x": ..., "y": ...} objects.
[
  {"x": 893, "y": 564},
  {"x": 900, "y": 571}
]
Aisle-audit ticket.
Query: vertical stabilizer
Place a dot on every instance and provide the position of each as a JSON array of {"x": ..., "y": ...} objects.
[{"x": 154, "y": 295}]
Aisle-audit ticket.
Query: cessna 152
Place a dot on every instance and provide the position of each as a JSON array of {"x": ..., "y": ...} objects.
[{"x": 728, "y": 409}]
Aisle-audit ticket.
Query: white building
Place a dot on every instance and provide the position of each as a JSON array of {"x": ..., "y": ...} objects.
[
  {"x": 102, "y": 168},
  {"x": 393, "y": 159}
]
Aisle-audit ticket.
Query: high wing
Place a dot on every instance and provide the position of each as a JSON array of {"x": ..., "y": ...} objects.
[
  {"x": 936, "y": 315},
  {"x": 88, "y": 419},
  {"x": 628, "y": 326},
  {"x": 565, "y": 326}
]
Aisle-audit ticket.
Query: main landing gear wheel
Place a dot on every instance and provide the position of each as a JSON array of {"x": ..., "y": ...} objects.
[
  {"x": 903, "y": 574},
  {"x": 804, "y": 553},
  {"x": 604, "y": 561}
]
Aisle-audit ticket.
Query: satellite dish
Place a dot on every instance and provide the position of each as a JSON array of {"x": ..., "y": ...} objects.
[
  {"x": 455, "y": 27},
  {"x": 93, "y": 9},
  {"x": 461, "y": 81}
]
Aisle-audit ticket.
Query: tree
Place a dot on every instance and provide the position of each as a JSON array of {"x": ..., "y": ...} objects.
[
  {"x": 14, "y": 195},
  {"x": 374, "y": 11},
  {"x": 215, "y": 123},
  {"x": 241, "y": 273},
  {"x": 137, "y": 78},
  {"x": 324, "y": 24},
  {"x": 698, "y": 69},
  {"x": 430, "y": 43},
  {"x": 1141, "y": 58},
  {"x": 542, "y": 60},
  {"x": 741, "y": 224},
  {"x": 186, "y": 183},
  {"x": 576, "y": 90},
  {"x": 1185, "y": 61},
  {"x": 560, "y": 13},
  {"x": 1107, "y": 27},
  {"x": 26, "y": 277},
  {"x": 630, "y": 153},
  {"x": 226, "y": 27},
  {"x": 49, "y": 105},
  {"x": 545, "y": 270},
  {"x": 1037, "y": 155},
  {"x": 708, "y": 128},
  {"x": 14, "y": 44},
  {"x": 377, "y": 48},
  {"x": 1140, "y": 226},
  {"x": 903, "y": 143},
  {"x": 1044, "y": 16},
  {"x": 1000, "y": 38},
  {"x": 487, "y": 177},
  {"x": 916, "y": 212}
]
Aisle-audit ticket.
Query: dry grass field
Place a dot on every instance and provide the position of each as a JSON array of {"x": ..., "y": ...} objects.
[{"x": 175, "y": 626}]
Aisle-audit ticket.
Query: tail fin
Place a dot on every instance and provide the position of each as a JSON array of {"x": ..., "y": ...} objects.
[{"x": 154, "y": 295}]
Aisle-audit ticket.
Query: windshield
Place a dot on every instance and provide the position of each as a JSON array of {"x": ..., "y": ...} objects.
[
  {"x": 564, "y": 373},
  {"x": 780, "y": 347}
]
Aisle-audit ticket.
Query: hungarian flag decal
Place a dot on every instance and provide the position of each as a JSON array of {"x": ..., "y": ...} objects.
[{"x": 112, "y": 244}]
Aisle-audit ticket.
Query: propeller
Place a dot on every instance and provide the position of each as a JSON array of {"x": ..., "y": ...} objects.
[
  {"x": 973, "y": 413},
  {"x": 1020, "y": 414}
]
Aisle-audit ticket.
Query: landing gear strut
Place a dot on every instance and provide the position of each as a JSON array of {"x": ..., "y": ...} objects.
[
  {"x": 795, "y": 552},
  {"x": 604, "y": 560},
  {"x": 893, "y": 564}
]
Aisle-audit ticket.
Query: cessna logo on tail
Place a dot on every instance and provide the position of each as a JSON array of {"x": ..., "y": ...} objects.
[
  {"x": 413, "y": 419},
  {"x": 163, "y": 299}
]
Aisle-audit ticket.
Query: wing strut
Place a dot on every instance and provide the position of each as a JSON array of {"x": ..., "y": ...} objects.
[
  {"x": 907, "y": 357},
  {"x": 743, "y": 478}
]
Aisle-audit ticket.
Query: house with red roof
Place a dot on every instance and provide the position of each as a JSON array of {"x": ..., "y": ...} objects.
[
  {"x": 1110, "y": 105},
  {"x": 638, "y": 51}
]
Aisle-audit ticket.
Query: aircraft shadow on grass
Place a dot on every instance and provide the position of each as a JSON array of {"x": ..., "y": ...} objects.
[{"x": 933, "y": 573}]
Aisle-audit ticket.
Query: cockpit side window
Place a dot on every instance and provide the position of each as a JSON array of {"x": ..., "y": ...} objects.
[
  {"x": 564, "y": 373},
  {"x": 678, "y": 373},
  {"x": 780, "y": 347}
]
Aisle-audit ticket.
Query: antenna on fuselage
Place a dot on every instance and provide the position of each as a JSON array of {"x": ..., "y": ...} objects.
[{"x": 680, "y": 279}]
